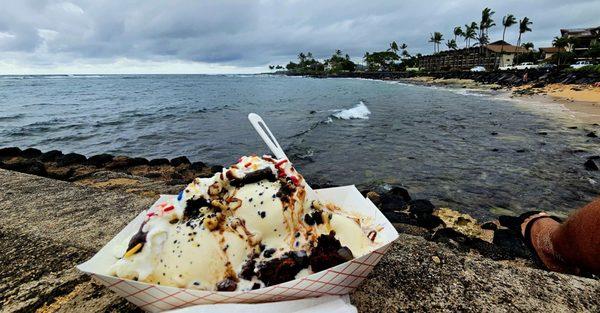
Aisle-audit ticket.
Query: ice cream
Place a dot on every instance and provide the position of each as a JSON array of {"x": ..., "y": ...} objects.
[{"x": 252, "y": 225}]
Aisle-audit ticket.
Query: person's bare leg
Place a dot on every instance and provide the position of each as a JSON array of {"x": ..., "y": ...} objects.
[
  {"x": 577, "y": 240},
  {"x": 571, "y": 246}
]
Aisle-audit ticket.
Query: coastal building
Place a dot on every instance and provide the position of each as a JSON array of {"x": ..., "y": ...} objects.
[
  {"x": 493, "y": 55},
  {"x": 548, "y": 52},
  {"x": 582, "y": 38}
]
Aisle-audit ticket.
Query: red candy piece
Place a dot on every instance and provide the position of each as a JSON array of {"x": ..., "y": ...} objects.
[
  {"x": 169, "y": 208},
  {"x": 248, "y": 164},
  {"x": 278, "y": 164},
  {"x": 295, "y": 180}
]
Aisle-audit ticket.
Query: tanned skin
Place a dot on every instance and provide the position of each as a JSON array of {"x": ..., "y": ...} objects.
[{"x": 572, "y": 246}]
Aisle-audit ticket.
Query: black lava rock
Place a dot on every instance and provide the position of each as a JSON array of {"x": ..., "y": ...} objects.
[
  {"x": 180, "y": 160},
  {"x": 216, "y": 168},
  {"x": 100, "y": 159},
  {"x": 139, "y": 161},
  {"x": 28, "y": 166},
  {"x": 394, "y": 200},
  {"x": 511, "y": 243},
  {"x": 489, "y": 225},
  {"x": 421, "y": 211},
  {"x": 198, "y": 166},
  {"x": 158, "y": 162},
  {"x": 36, "y": 168},
  {"x": 51, "y": 156},
  {"x": 420, "y": 207},
  {"x": 592, "y": 135},
  {"x": 31, "y": 153},
  {"x": 398, "y": 217},
  {"x": 70, "y": 159},
  {"x": 175, "y": 182},
  {"x": 592, "y": 164},
  {"x": 9, "y": 152}
]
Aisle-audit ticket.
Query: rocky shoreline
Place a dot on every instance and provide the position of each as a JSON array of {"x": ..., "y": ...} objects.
[
  {"x": 512, "y": 78},
  {"x": 433, "y": 240},
  {"x": 153, "y": 177}
]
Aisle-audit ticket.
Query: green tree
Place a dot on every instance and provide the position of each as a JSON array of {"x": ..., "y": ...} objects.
[
  {"x": 561, "y": 43},
  {"x": 451, "y": 44},
  {"x": 393, "y": 47},
  {"x": 507, "y": 21},
  {"x": 470, "y": 33},
  {"x": 594, "y": 49},
  {"x": 436, "y": 38},
  {"x": 338, "y": 63},
  {"x": 458, "y": 32},
  {"x": 432, "y": 40},
  {"x": 523, "y": 28},
  {"x": 381, "y": 60},
  {"x": 301, "y": 57},
  {"x": 528, "y": 45},
  {"x": 486, "y": 21}
]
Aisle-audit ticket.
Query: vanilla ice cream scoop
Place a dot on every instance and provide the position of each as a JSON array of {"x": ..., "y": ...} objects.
[{"x": 249, "y": 226}]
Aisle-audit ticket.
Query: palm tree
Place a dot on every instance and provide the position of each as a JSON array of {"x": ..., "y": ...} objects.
[
  {"x": 486, "y": 21},
  {"x": 523, "y": 28},
  {"x": 451, "y": 44},
  {"x": 484, "y": 25},
  {"x": 507, "y": 21},
  {"x": 528, "y": 45},
  {"x": 438, "y": 37},
  {"x": 302, "y": 57},
  {"x": 393, "y": 47},
  {"x": 403, "y": 46},
  {"x": 458, "y": 32},
  {"x": 470, "y": 33},
  {"x": 309, "y": 55},
  {"x": 560, "y": 43},
  {"x": 432, "y": 40}
]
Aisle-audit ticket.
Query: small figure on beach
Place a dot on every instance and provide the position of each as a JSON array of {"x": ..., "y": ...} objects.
[
  {"x": 525, "y": 78},
  {"x": 572, "y": 246}
]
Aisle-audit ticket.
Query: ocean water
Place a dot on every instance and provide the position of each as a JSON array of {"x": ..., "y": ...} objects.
[{"x": 460, "y": 149}]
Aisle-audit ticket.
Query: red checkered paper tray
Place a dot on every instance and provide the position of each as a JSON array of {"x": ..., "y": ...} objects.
[{"x": 339, "y": 280}]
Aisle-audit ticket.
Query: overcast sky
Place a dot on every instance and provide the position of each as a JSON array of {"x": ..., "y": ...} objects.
[{"x": 244, "y": 36}]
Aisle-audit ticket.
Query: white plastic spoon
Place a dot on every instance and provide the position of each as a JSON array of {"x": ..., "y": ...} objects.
[{"x": 267, "y": 136}]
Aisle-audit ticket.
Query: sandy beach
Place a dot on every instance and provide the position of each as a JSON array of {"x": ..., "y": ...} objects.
[{"x": 581, "y": 102}]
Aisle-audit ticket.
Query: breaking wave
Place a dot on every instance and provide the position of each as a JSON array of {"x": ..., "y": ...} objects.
[{"x": 360, "y": 111}]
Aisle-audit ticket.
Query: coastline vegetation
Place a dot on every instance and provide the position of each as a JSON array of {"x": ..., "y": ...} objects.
[{"x": 474, "y": 34}]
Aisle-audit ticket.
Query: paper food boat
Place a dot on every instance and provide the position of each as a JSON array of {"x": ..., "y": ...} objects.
[{"x": 338, "y": 280}]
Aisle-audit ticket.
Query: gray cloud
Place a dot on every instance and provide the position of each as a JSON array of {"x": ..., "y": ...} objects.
[{"x": 253, "y": 33}]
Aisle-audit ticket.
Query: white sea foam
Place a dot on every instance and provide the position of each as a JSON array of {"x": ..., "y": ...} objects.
[{"x": 360, "y": 111}]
